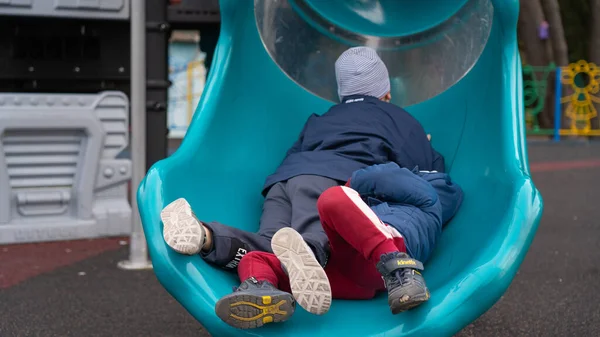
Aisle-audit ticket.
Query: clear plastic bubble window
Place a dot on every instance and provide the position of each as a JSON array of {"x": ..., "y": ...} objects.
[{"x": 427, "y": 45}]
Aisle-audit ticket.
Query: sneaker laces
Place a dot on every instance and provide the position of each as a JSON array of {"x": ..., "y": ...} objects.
[{"x": 399, "y": 278}]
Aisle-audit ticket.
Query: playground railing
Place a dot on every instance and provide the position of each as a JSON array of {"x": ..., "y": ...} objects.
[{"x": 561, "y": 101}]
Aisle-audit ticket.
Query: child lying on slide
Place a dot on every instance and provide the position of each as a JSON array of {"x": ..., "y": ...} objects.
[
  {"x": 381, "y": 230},
  {"x": 363, "y": 130}
]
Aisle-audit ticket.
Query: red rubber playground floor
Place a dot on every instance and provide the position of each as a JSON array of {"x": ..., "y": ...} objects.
[{"x": 73, "y": 288}]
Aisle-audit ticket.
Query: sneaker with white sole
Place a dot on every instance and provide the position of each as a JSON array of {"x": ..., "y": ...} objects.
[
  {"x": 308, "y": 280},
  {"x": 182, "y": 231}
]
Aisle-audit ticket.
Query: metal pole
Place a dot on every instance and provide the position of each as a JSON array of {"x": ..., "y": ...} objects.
[
  {"x": 138, "y": 252},
  {"x": 558, "y": 104}
]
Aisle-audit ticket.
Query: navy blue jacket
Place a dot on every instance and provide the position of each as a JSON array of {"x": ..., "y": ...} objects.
[
  {"x": 359, "y": 132},
  {"x": 417, "y": 203}
]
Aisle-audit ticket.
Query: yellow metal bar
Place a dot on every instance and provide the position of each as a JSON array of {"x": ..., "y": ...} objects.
[{"x": 567, "y": 132}]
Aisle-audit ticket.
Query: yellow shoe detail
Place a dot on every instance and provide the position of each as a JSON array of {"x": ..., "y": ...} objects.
[
  {"x": 407, "y": 263},
  {"x": 266, "y": 310},
  {"x": 267, "y": 319}
]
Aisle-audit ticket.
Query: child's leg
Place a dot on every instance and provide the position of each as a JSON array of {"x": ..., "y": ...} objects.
[
  {"x": 348, "y": 218},
  {"x": 259, "y": 299},
  {"x": 287, "y": 204},
  {"x": 264, "y": 267},
  {"x": 312, "y": 286},
  {"x": 309, "y": 282},
  {"x": 354, "y": 229},
  {"x": 220, "y": 244},
  {"x": 303, "y": 192}
]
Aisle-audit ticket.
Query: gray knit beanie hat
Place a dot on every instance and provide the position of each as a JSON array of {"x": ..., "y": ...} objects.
[{"x": 360, "y": 71}]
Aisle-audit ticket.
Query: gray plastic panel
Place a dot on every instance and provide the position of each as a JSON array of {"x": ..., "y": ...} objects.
[
  {"x": 89, "y": 9},
  {"x": 59, "y": 175}
]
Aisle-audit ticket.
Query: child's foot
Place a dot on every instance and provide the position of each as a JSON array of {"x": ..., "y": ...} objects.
[
  {"x": 255, "y": 303},
  {"x": 405, "y": 285},
  {"x": 308, "y": 281},
  {"x": 182, "y": 231}
]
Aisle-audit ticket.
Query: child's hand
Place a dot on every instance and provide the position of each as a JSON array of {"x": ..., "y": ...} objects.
[{"x": 429, "y": 137}]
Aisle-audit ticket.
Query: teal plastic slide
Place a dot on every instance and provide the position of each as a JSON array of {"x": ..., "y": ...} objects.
[{"x": 454, "y": 65}]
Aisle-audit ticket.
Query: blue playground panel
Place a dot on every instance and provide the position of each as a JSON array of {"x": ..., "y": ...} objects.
[{"x": 251, "y": 113}]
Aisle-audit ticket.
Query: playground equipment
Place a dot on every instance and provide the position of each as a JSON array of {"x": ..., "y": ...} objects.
[
  {"x": 64, "y": 117},
  {"x": 63, "y": 179},
  {"x": 581, "y": 79},
  {"x": 61, "y": 176},
  {"x": 454, "y": 64}
]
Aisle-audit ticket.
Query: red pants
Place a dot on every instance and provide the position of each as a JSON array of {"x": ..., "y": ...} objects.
[{"x": 357, "y": 239}]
